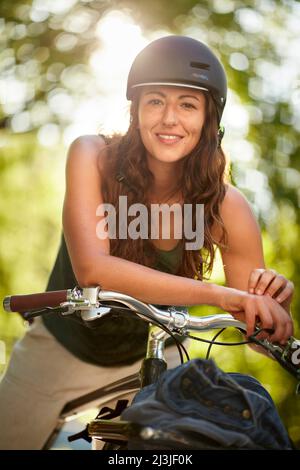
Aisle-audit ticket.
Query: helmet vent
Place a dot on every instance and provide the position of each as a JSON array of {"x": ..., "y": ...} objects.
[{"x": 200, "y": 65}]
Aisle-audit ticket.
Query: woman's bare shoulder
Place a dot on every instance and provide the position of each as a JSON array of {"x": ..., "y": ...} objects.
[
  {"x": 88, "y": 141},
  {"x": 234, "y": 206},
  {"x": 88, "y": 148},
  {"x": 233, "y": 198}
]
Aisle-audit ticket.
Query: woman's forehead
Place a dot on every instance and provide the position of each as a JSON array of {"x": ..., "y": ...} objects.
[{"x": 174, "y": 90}]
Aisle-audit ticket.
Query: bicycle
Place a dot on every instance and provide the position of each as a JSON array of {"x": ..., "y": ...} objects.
[{"x": 91, "y": 305}]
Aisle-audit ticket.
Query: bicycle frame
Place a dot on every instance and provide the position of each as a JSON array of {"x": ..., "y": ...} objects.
[
  {"x": 152, "y": 366},
  {"x": 124, "y": 388}
]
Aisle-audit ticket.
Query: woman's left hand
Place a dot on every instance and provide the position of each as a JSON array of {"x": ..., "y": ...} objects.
[{"x": 268, "y": 281}]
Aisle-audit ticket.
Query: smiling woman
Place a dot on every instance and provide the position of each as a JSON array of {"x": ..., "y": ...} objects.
[{"x": 171, "y": 153}]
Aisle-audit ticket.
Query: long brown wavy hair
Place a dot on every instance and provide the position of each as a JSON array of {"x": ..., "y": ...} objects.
[{"x": 202, "y": 181}]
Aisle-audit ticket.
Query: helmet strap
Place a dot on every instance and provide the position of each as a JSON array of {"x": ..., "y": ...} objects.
[{"x": 221, "y": 133}]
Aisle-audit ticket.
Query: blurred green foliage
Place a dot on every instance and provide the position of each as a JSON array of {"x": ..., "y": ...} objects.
[
  {"x": 258, "y": 44},
  {"x": 31, "y": 191}
]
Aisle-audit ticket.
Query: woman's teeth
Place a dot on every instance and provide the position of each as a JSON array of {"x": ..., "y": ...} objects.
[{"x": 169, "y": 138}]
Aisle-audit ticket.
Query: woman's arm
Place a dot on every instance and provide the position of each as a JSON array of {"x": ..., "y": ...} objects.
[
  {"x": 243, "y": 260},
  {"x": 245, "y": 249}
]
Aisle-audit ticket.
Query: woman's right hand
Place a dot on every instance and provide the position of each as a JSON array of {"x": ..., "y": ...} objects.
[{"x": 262, "y": 310}]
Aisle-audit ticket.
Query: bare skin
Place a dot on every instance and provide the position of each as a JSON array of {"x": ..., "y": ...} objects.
[{"x": 90, "y": 256}]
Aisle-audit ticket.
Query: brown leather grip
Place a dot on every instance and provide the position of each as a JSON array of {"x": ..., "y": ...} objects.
[{"x": 22, "y": 303}]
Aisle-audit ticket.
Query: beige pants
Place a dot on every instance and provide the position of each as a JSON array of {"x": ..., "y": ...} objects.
[{"x": 41, "y": 378}]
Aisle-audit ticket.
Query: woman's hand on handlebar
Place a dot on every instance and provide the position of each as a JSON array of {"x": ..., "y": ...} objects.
[
  {"x": 262, "y": 310},
  {"x": 268, "y": 281}
]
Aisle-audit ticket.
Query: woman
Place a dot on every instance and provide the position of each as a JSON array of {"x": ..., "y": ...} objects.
[{"x": 171, "y": 154}]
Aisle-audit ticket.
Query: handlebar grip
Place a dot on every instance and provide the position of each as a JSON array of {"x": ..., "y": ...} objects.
[{"x": 21, "y": 303}]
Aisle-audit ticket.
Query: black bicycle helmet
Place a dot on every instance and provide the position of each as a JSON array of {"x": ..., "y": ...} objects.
[{"x": 179, "y": 61}]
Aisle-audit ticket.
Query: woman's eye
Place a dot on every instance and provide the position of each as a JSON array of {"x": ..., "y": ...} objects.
[
  {"x": 188, "y": 105},
  {"x": 155, "y": 101}
]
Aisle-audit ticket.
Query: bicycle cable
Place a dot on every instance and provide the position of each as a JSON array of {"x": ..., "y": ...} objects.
[
  {"x": 218, "y": 343},
  {"x": 213, "y": 342},
  {"x": 178, "y": 344},
  {"x": 35, "y": 313},
  {"x": 240, "y": 343}
]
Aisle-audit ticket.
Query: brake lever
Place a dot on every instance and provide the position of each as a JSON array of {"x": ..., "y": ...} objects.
[{"x": 31, "y": 314}]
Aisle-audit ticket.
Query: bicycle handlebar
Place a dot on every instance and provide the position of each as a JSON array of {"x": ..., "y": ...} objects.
[{"x": 88, "y": 301}]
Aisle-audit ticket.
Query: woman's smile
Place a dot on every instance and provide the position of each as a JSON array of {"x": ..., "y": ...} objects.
[{"x": 169, "y": 139}]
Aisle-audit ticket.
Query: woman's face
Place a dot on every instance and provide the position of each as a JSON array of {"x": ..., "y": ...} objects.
[{"x": 170, "y": 121}]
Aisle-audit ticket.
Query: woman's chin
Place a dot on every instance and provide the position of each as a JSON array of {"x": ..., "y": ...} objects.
[{"x": 167, "y": 157}]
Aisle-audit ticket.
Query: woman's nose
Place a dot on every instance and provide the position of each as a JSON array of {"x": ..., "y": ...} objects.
[{"x": 170, "y": 116}]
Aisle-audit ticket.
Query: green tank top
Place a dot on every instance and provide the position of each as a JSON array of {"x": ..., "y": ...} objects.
[{"x": 116, "y": 341}]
